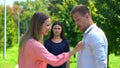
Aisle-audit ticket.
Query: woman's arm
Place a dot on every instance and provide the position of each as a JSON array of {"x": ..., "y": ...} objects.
[
  {"x": 68, "y": 64},
  {"x": 78, "y": 47},
  {"x": 41, "y": 53}
]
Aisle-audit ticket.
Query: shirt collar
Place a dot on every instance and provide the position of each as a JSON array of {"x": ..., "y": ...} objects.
[{"x": 89, "y": 28}]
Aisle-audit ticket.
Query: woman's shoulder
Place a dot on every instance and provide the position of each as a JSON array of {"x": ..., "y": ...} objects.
[
  {"x": 33, "y": 43},
  {"x": 31, "y": 40}
]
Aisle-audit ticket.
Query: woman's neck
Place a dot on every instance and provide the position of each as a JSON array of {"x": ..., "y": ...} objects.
[{"x": 56, "y": 39}]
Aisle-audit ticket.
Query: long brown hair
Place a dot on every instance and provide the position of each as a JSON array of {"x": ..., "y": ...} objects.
[{"x": 34, "y": 30}]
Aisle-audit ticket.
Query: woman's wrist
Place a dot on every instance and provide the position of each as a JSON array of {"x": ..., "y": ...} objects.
[
  {"x": 78, "y": 47},
  {"x": 72, "y": 52}
]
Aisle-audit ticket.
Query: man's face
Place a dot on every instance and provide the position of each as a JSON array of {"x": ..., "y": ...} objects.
[{"x": 81, "y": 21}]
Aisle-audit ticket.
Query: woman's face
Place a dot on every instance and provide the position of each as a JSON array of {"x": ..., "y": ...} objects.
[
  {"x": 57, "y": 29},
  {"x": 46, "y": 27}
]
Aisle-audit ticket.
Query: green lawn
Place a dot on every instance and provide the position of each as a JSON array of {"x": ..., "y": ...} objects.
[
  {"x": 114, "y": 61},
  {"x": 73, "y": 62},
  {"x": 12, "y": 56}
]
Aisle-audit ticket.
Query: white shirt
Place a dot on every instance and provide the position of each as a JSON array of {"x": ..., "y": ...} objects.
[{"x": 94, "y": 53}]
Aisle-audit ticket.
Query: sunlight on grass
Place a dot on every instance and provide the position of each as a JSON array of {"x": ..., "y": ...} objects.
[
  {"x": 12, "y": 59},
  {"x": 114, "y": 61},
  {"x": 73, "y": 62}
]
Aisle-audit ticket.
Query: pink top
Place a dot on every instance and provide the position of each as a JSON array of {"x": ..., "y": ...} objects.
[{"x": 35, "y": 55}]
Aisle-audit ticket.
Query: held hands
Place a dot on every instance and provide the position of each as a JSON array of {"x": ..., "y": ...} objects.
[{"x": 79, "y": 46}]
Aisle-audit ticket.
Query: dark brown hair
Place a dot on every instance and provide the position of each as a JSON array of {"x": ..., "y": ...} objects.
[
  {"x": 82, "y": 9},
  {"x": 62, "y": 32}
]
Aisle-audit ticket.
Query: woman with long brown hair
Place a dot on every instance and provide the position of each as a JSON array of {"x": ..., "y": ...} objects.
[{"x": 32, "y": 53}]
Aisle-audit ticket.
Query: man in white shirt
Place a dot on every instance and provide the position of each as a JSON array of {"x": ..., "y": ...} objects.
[{"x": 94, "y": 53}]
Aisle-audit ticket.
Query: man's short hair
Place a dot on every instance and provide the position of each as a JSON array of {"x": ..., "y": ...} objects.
[{"x": 82, "y": 9}]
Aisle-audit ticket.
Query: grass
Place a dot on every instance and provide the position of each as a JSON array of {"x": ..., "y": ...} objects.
[
  {"x": 73, "y": 62},
  {"x": 114, "y": 61},
  {"x": 12, "y": 56}
]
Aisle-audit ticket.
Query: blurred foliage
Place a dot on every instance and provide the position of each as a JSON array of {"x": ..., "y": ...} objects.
[
  {"x": 107, "y": 16},
  {"x": 29, "y": 7},
  {"x": 61, "y": 12},
  {"x": 11, "y": 31},
  {"x": 104, "y": 13}
]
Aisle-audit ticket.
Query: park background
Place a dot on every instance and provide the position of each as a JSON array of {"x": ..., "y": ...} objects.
[{"x": 105, "y": 13}]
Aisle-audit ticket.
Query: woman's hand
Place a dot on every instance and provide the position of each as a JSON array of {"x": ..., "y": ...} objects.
[{"x": 79, "y": 46}]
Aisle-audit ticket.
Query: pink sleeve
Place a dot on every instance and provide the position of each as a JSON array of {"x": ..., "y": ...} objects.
[{"x": 42, "y": 53}]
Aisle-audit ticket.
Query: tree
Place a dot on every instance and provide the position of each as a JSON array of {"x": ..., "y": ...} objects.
[
  {"x": 28, "y": 9},
  {"x": 61, "y": 12},
  {"x": 11, "y": 31},
  {"x": 1, "y": 26},
  {"x": 108, "y": 17}
]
